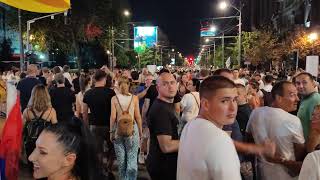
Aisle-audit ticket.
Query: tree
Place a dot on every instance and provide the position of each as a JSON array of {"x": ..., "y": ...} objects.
[
  {"x": 149, "y": 56},
  {"x": 87, "y": 20},
  {"x": 298, "y": 40},
  {"x": 6, "y": 51},
  {"x": 261, "y": 46}
]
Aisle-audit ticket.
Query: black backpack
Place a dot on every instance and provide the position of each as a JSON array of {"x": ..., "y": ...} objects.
[
  {"x": 267, "y": 98},
  {"x": 34, "y": 127}
]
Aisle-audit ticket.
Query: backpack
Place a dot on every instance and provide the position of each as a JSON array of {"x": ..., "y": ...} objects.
[
  {"x": 125, "y": 124},
  {"x": 267, "y": 98},
  {"x": 33, "y": 128}
]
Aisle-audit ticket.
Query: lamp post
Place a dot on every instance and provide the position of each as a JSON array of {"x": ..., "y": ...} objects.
[
  {"x": 126, "y": 13},
  {"x": 223, "y": 5}
]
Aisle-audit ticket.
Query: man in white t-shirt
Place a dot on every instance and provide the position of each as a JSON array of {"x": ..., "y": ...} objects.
[
  {"x": 283, "y": 128},
  {"x": 236, "y": 78},
  {"x": 205, "y": 150},
  {"x": 311, "y": 167}
]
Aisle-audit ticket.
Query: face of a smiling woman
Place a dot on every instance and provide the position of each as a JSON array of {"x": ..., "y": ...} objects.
[{"x": 50, "y": 159}]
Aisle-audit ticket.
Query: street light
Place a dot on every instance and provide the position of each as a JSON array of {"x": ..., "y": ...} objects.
[
  {"x": 172, "y": 50},
  {"x": 213, "y": 28},
  {"x": 207, "y": 40},
  {"x": 223, "y": 5},
  {"x": 126, "y": 13},
  {"x": 313, "y": 36}
]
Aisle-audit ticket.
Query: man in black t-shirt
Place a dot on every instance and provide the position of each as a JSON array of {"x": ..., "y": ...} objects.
[
  {"x": 62, "y": 99},
  {"x": 98, "y": 100},
  {"x": 162, "y": 122},
  {"x": 26, "y": 85}
]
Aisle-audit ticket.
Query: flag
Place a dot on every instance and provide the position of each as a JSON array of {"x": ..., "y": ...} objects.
[
  {"x": 11, "y": 139},
  {"x": 40, "y": 6},
  {"x": 228, "y": 62}
]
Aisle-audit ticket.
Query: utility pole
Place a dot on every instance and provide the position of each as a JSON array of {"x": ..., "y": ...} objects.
[
  {"x": 112, "y": 47},
  {"x": 223, "y": 49},
  {"x": 21, "y": 42},
  {"x": 240, "y": 31},
  {"x": 214, "y": 53}
]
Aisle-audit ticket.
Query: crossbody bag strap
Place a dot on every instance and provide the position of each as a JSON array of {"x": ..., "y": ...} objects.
[{"x": 195, "y": 99}]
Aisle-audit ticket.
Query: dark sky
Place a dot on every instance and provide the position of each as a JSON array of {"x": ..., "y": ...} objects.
[{"x": 179, "y": 19}]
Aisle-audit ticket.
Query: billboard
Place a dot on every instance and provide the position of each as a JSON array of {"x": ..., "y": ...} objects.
[
  {"x": 207, "y": 32},
  {"x": 145, "y": 37}
]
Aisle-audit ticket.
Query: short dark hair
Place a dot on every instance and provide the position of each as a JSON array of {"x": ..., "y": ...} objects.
[
  {"x": 268, "y": 78},
  {"x": 240, "y": 86},
  {"x": 56, "y": 70},
  {"x": 164, "y": 70},
  {"x": 235, "y": 69},
  {"x": 99, "y": 75},
  {"x": 257, "y": 74},
  {"x": 211, "y": 84},
  {"x": 278, "y": 89},
  {"x": 254, "y": 84},
  {"x": 134, "y": 75},
  {"x": 304, "y": 73},
  {"x": 196, "y": 83},
  {"x": 218, "y": 72},
  {"x": 204, "y": 72},
  {"x": 66, "y": 68}
]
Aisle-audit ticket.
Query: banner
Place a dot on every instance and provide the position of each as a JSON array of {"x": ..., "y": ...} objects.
[
  {"x": 39, "y": 6},
  {"x": 312, "y": 63}
]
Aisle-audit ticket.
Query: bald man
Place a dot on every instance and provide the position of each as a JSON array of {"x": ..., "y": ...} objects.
[
  {"x": 162, "y": 122},
  {"x": 26, "y": 85}
]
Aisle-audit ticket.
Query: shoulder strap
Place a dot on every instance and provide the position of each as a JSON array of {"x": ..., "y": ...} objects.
[
  {"x": 130, "y": 103},
  {"x": 195, "y": 99},
  {"x": 42, "y": 114},
  {"x": 49, "y": 114},
  {"x": 119, "y": 103},
  {"x": 34, "y": 114}
]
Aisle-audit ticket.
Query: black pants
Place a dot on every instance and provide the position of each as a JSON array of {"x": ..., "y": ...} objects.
[{"x": 105, "y": 146}]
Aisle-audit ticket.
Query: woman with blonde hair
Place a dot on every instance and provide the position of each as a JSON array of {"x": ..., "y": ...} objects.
[
  {"x": 126, "y": 147},
  {"x": 38, "y": 115}
]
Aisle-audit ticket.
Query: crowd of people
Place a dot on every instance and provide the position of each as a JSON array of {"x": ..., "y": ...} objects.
[{"x": 225, "y": 124}]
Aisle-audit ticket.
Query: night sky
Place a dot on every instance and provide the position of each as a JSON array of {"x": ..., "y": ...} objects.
[{"x": 179, "y": 19}]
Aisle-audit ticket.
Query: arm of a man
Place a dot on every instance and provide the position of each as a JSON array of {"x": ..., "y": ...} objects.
[
  {"x": 167, "y": 144},
  {"x": 145, "y": 108},
  {"x": 85, "y": 113}
]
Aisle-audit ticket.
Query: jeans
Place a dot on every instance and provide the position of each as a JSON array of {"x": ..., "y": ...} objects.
[{"x": 126, "y": 149}]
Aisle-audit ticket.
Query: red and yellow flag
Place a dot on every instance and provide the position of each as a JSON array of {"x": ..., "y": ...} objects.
[{"x": 40, "y": 6}]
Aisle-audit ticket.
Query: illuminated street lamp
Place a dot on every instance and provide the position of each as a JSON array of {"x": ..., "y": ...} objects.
[
  {"x": 213, "y": 28},
  {"x": 207, "y": 40},
  {"x": 313, "y": 36},
  {"x": 126, "y": 13},
  {"x": 223, "y": 5},
  {"x": 172, "y": 50}
]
